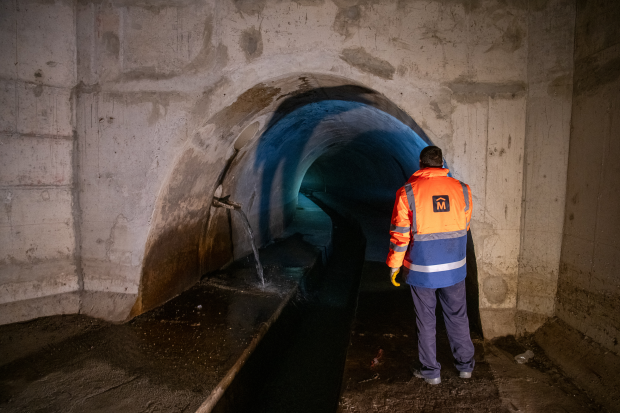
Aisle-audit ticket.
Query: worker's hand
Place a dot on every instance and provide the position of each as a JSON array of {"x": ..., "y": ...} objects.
[{"x": 393, "y": 273}]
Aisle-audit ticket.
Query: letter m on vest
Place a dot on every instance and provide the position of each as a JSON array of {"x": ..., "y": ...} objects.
[{"x": 441, "y": 203}]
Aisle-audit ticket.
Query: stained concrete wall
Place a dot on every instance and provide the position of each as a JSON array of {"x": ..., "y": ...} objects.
[
  {"x": 589, "y": 288},
  {"x": 550, "y": 79},
  {"x": 163, "y": 90},
  {"x": 38, "y": 231}
]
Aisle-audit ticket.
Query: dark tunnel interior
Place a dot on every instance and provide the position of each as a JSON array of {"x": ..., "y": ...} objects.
[{"x": 338, "y": 141}]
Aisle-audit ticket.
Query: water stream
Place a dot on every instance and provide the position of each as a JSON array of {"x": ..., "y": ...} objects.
[
  {"x": 248, "y": 229},
  {"x": 233, "y": 206}
]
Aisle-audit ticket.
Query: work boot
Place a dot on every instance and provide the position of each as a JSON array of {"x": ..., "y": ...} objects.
[
  {"x": 465, "y": 374},
  {"x": 419, "y": 375}
]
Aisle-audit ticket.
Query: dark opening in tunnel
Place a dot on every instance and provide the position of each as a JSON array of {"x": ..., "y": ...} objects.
[{"x": 346, "y": 141}]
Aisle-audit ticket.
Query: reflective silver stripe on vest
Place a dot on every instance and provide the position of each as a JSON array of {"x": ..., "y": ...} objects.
[
  {"x": 411, "y": 200},
  {"x": 435, "y": 268},
  {"x": 466, "y": 195},
  {"x": 402, "y": 230},
  {"x": 440, "y": 235},
  {"x": 397, "y": 248}
]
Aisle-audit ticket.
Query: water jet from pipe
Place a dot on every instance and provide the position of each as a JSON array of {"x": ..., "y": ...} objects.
[{"x": 233, "y": 206}]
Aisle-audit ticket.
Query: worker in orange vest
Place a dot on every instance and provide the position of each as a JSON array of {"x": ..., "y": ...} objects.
[{"x": 429, "y": 240}]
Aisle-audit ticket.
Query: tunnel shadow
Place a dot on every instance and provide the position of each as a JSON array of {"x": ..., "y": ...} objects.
[{"x": 471, "y": 288}]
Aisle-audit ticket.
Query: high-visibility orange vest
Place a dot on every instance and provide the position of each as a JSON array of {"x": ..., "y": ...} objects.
[{"x": 429, "y": 229}]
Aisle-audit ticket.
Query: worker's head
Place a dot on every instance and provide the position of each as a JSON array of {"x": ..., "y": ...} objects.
[{"x": 431, "y": 157}]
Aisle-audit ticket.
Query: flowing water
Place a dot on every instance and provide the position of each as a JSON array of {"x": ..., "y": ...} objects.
[
  {"x": 248, "y": 229},
  {"x": 233, "y": 206}
]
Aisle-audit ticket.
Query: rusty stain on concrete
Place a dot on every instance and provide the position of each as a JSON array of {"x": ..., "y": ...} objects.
[
  {"x": 249, "y": 102},
  {"x": 170, "y": 267},
  {"x": 217, "y": 243}
]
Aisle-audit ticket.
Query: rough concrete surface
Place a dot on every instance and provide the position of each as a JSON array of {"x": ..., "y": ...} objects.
[
  {"x": 121, "y": 120},
  {"x": 588, "y": 287},
  {"x": 550, "y": 72},
  {"x": 123, "y": 117}
]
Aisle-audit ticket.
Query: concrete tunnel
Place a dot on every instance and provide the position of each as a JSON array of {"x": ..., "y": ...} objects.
[
  {"x": 345, "y": 139},
  {"x": 121, "y": 121}
]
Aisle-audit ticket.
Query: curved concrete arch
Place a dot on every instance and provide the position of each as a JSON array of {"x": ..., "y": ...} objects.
[
  {"x": 185, "y": 239},
  {"x": 108, "y": 94}
]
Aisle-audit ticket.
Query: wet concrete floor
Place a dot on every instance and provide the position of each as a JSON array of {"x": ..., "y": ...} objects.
[
  {"x": 316, "y": 358},
  {"x": 384, "y": 329},
  {"x": 166, "y": 360}
]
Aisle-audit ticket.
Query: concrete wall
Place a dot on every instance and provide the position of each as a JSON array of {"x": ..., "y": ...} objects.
[
  {"x": 39, "y": 259},
  {"x": 163, "y": 90},
  {"x": 589, "y": 285},
  {"x": 550, "y": 79}
]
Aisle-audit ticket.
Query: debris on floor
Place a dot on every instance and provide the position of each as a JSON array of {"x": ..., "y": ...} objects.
[
  {"x": 377, "y": 360},
  {"x": 524, "y": 357}
]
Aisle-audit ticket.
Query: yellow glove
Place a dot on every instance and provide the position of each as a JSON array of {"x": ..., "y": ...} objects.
[{"x": 393, "y": 273}]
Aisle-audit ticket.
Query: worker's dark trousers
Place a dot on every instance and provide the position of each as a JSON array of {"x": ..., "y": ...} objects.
[{"x": 455, "y": 316}]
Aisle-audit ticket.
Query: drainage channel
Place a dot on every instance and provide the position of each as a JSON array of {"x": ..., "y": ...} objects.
[{"x": 298, "y": 366}]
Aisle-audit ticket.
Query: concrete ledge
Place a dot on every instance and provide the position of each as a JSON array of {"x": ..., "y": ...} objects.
[
  {"x": 592, "y": 367},
  {"x": 216, "y": 394},
  {"x": 18, "y": 311}
]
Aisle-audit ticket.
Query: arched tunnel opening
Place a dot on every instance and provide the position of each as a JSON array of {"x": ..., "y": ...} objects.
[
  {"x": 341, "y": 142},
  {"x": 349, "y": 157},
  {"x": 200, "y": 327}
]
